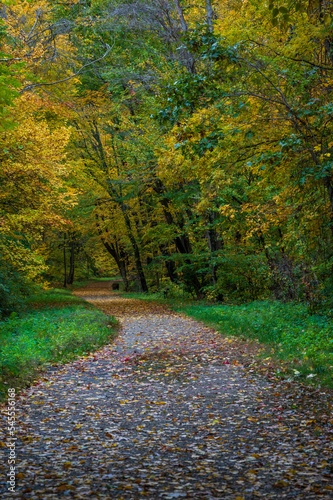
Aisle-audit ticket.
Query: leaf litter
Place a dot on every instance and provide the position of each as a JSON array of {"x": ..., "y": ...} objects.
[{"x": 170, "y": 410}]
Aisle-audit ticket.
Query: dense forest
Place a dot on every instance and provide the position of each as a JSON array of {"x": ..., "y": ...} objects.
[
  {"x": 184, "y": 146},
  {"x": 166, "y": 249}
]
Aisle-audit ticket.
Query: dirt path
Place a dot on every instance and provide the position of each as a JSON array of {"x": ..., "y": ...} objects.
[{"x": 167, "y": 412}]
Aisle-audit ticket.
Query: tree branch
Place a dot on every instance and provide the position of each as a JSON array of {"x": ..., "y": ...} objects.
[{"x": 42, "y": 84}]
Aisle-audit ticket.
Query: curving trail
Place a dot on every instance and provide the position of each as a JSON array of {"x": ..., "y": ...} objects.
[{"x": 169, "y": 410}]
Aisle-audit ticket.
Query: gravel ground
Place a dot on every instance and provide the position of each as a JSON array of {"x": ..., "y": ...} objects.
[{"x": 169, "y": 410}]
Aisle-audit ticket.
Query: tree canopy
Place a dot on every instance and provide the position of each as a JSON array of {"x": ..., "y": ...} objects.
[{"x": 182, "y": 145}]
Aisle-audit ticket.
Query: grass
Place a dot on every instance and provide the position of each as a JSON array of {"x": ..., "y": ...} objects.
[
  {"x": 53, "y": 298},
  {"x": 301, "y": 343},
  {"x": 82, "y": 282},
  {"x": 291, "y": 333},
  {"x": 58, "y": 328}
]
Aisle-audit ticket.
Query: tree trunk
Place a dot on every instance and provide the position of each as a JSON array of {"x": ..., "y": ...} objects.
[
  {"x": 189, "y": 59},
  {"x": 65, "y": 263},
  {"x": 181, "y": 15},
  {"x": 329, "y": 187},
  {"x": 210, "y": 14},
  {"x": 137, "y": 257},
  {"x": 70, "y": 278},
  {"x": 117, "y": 198},
  {"x": 169, "y": 265},
  {"x": 182, "y": 242},
  {"x": 214, "y": 245},
  {"x": 118, "y": 256}
]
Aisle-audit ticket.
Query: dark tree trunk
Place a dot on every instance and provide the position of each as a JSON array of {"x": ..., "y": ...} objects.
[
  {"x": 116, "y": 253},
  {"x": 70, "y": 278},
  {"x": 214, "y": 245},
  {"x": 65, "y": 263},
  {"x": 169, "y": 265},
  {"x": 117, "y": 198},
  {"x": 329, "y": 187},
  {"x": 182, "y": 242},
  {"x": 137, "y": 257}
]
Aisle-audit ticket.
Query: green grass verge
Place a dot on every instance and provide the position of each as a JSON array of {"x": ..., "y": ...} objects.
[
  {"x": 53, "y": 298},
  {"x": 302, "y": 342},
  {"x": 61, "y": 328}
]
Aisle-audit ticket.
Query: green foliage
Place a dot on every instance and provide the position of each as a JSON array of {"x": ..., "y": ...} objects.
[
  {"x": 20, "y": 268},
  {"x": 200, "y": 155},
  {"x": 173, "y": 291},
  {"x": 243, "y": 277},
  {"x": 14, "y": 288},
  {"x": 8, "y": 83},
  {"x": 54, "y": 297},
  {"x": 281, "y": 10}
]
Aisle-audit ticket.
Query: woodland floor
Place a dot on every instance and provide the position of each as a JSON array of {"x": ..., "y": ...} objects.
[{"x": 170, "y": 410}]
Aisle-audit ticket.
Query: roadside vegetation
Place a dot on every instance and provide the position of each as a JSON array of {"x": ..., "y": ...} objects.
[
  {"x": 55, "y": 329},
  {"x": 299, "y": 344}
]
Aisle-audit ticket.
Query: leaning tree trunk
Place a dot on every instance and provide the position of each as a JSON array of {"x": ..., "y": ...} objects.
[{"x": 117, "y": 198}]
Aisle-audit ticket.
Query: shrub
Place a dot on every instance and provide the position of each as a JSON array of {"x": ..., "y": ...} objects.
[
  {"x": 14, "y": 288},
  {"x": 243, "y": 277}
]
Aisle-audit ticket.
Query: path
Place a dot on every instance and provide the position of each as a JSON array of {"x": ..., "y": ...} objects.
[{"x": 168, "y": 412}]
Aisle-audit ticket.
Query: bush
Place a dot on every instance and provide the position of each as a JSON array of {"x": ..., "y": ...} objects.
[
  {"x": 174, "y": 291},
  {"x": 242, "y": 277},
  {"x": 14, "y": 288}
]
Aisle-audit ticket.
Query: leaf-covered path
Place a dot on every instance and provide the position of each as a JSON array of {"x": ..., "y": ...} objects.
[{"x": 170, "y": 410}]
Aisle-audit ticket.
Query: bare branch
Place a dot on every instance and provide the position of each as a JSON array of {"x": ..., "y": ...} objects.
[
  {"x": 305, "y": 61},
  {"x": 42, "y": 84},
  {"x": 13, "y": 59},
  {"x": 38, "y": 13}
]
